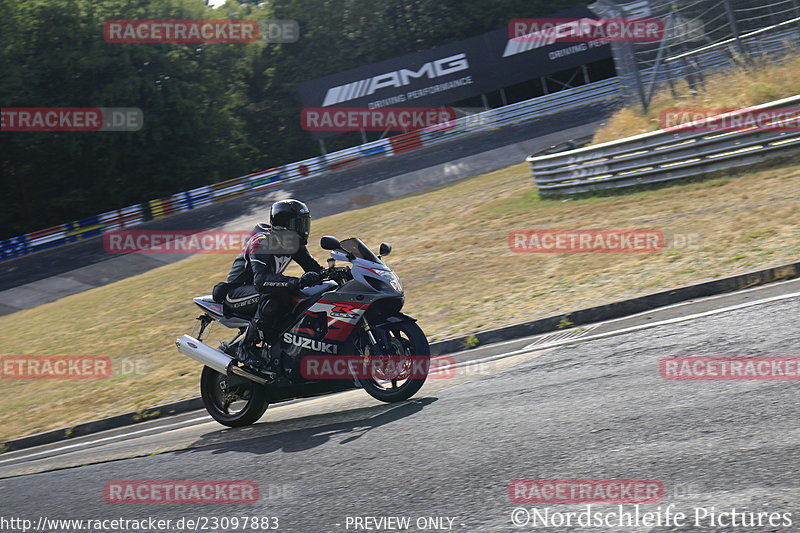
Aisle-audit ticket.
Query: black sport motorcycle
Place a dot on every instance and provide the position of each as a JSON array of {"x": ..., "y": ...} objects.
[{"x": 346, "y": 333}]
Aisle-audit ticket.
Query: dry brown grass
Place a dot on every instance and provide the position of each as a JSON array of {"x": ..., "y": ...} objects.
[
  {"x": 735, "y": 89},
  {"x": 451, "y": 252}
]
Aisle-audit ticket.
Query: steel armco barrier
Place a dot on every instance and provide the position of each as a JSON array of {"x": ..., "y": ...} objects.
[{"x": 669, "y": 154}]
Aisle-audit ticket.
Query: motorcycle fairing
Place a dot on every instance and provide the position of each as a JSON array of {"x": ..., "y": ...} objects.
[
  {"x": 341, "y": 316},
  {"x": 207, "y": 303},
  {"x": 214, "y": 309}
]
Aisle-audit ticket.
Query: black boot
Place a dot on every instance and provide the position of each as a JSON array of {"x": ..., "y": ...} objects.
[{"x": 250, "y": 354}]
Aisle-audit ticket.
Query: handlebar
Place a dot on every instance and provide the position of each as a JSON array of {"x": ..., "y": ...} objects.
[{"x": 337, "y": 274}]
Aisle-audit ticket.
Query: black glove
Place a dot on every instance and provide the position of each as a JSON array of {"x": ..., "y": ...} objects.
[
  {"x": 220, "y": 291},
  {"x": 309, "y": 279}
]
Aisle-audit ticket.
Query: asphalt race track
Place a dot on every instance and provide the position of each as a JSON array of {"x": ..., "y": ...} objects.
[{"x": 594, "y": 408}]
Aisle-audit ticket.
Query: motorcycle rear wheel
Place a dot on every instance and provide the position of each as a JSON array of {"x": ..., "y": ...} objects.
[
  {"x": 240, "y": 405},
  {"x": 406, "y": 338}
]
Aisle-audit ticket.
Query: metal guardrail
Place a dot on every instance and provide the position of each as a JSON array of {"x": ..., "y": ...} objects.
[
  {"x": 276, "y": 177},
  {"x": 509, "y": 115},
  {"x": 672, "y": 154},
  {"x": 573, "y": 144}
]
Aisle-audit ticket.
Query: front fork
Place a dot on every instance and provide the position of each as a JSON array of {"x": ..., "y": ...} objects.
[{"x": 377, "y": 338}]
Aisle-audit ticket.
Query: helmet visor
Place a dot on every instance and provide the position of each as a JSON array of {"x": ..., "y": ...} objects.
[{"x": 300, "y": 224}]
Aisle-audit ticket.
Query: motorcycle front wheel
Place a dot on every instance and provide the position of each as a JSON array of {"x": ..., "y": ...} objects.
[
  {"x": 407, "y": 361},
  {"x": 232, "y": 406}
]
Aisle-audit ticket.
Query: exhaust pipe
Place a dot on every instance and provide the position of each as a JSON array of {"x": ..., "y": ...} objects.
[{"x": 213, "y": 358}]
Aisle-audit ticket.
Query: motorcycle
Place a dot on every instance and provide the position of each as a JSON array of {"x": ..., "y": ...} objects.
[{"x": 350, "y": 324}]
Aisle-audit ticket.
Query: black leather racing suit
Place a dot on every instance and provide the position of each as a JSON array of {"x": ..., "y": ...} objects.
[{"x": 256, "y": 279}]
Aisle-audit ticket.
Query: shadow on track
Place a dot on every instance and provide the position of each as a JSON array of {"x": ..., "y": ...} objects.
[{"x": 305, "y": 438}]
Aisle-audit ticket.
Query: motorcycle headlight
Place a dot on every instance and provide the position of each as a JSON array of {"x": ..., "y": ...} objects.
[{"x": 392, "y": 279}]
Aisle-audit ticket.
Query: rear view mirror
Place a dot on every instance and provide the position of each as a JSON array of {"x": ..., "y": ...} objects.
[
  {"x": 385, "y": 249},
  {"x": 329, "y": 243}
]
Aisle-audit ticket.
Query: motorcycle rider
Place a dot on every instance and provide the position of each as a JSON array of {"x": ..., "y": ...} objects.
[{"x": 256, "y": 277}]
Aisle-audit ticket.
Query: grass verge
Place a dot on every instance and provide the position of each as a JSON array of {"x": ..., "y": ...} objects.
[{"x": 739, "y": 88}]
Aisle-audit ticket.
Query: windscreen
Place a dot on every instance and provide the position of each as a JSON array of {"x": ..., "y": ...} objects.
[{"x": 358, "y": 249}]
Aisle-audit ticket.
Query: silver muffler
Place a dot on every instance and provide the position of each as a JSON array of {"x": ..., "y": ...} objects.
[{"x": 213, "y": 358}]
